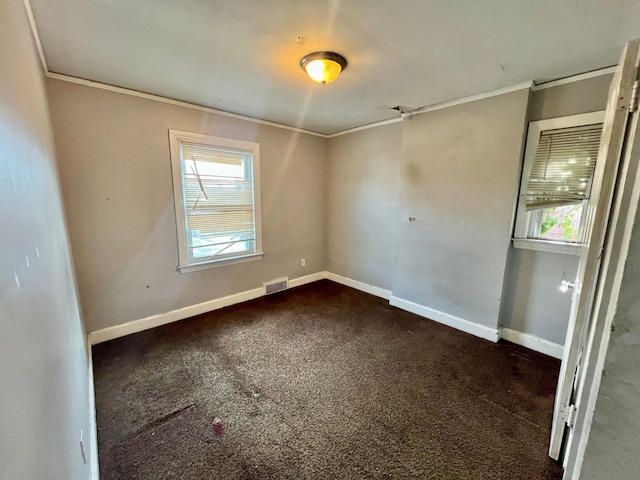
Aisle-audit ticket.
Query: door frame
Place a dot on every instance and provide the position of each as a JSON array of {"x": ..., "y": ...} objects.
[
  {"x": 623, "y": 215},
  {"x": 600, "y": 272}
]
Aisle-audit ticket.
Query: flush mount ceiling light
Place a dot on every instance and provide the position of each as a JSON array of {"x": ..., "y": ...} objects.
[{"x": 323, "y": 67}]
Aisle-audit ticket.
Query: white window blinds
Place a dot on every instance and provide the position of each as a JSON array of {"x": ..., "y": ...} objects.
[
  {"x": 562, "y": 171},
  {"x": 219, "y": 201}
]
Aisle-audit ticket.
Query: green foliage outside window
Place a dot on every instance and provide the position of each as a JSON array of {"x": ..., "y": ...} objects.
[
  {"x": 549, "y": 222},
  {"x": 561, "y": 223}
]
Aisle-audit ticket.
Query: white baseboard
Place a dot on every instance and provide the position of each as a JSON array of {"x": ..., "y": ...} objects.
[
  {"x": 314, "y": 277},
  {"x": 538, "y": 344},
  {"x": 363, "y": 287},
  {"x": 135, "y": 326},
  {"x": 93, "y": 424},
  {"x": 476, "y": 329},
  {"x": 482, "y": 331}
]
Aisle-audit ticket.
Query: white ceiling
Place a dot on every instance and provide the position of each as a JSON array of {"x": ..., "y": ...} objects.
[{"x": 242, "y": 56}]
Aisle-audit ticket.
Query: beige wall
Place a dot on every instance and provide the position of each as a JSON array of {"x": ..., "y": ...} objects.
[
  {"x": 116, "y": 176},
  {"x": 44, "y": 391}
]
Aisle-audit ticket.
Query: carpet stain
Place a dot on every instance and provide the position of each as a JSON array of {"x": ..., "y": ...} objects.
[
  {"x": 165, "y": 419},
  {"x": 218, "y": 426}
]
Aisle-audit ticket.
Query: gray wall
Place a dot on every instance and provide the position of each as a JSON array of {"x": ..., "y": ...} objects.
[
  {"x": 459, "y": 180},
  {"x": 368, "y": 183},
  {"x": 362, "y": 205},
  {"x": 614, "y": 440},
  {"x": 570, "y": 99},
  {"x": 532, "y": 302},
  {"x": 113, "y": 154},
  {"x": 340, "y": 203},
  {"x": 44, "y": 390},
  {"x": 457, "y": 174}
]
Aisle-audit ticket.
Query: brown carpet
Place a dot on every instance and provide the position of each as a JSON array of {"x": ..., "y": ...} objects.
[{"x": 321, "y": 382}]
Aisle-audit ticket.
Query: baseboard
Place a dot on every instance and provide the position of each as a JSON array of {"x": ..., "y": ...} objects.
[
  {"x": 532, "y": 342},
  {"x": 364, "y": 287},
  {"x": 93, "y": 424},
  {"x": 314, "y": 277},
  {"x": 482, "y": 331},
  {"x": 476, "y": 329},
  {"x": 135, "y": 326}
]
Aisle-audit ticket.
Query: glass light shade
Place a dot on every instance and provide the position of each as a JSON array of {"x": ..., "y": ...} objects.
[
  {"x": 323, "y": 71},
  {"x": 323, "y": 67}
]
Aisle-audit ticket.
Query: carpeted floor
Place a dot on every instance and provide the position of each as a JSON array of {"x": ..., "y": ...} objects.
[{"x": 321, "y": 382}]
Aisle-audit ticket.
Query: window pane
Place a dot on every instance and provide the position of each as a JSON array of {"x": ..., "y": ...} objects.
[
  {"x": 217, "y": 202},
  {"x": 559, "y": 223},
  {"x": 210, "y": 169},
  {"x": 203, "y": 247},
  {"x": 218, "y": 186}
]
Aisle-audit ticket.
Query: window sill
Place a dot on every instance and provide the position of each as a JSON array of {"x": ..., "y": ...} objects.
[
  {"x": 194, "y": 267},
  {"x": 548, "y": 246}
]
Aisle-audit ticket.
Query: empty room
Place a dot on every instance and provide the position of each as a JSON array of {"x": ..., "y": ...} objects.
[{"x": 319, "y": 239}]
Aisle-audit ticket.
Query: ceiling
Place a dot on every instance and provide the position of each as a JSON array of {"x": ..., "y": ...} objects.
[{"x": 242, "y": 56}]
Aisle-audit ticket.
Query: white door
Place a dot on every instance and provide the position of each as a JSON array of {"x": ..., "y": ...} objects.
[{"x": 621, "y": 100}]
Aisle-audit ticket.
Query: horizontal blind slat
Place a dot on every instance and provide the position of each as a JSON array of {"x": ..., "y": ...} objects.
[
  {"x": 563, "y": 166},
  {"x": 204, "y": 153},
  {"x": 221, "y": 221}
]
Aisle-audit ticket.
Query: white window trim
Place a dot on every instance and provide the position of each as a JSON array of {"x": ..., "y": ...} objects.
[
  {"x": 548, "y": 246},
  {"x": 175, "y": 138},
  {"x": 194, "y": 267},
  {"x": 520, "y": 234}
]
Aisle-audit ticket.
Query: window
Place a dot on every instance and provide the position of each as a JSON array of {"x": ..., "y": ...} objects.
[
  {"x": 559, "y": 165},
  {"x": 216, "y": 186}
]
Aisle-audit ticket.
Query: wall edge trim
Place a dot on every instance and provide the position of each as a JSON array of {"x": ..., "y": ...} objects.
[
  {"x": 482, "y": 331},
  {"x": 93, "y": 421},
  {"x": 532, "y": 342}
]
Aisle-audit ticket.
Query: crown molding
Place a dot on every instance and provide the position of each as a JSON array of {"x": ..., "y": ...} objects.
[
  {"x": 575, "y": 78},
  {"x": 36, "y": 35},
  {"x": 472, "y": 98},
  {"x": 500, "y": 91},
  {"x": 365, "y": 127},
  {"x": 171, "y": 101}
]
